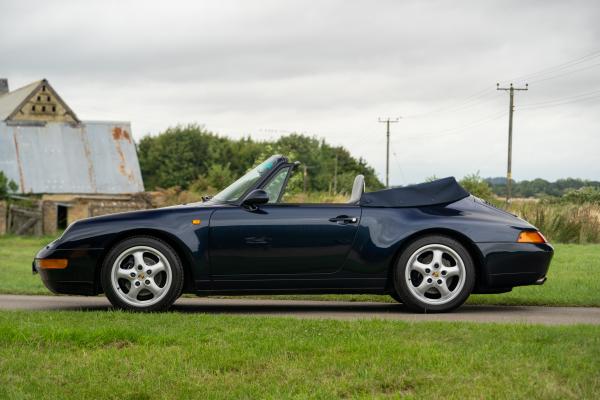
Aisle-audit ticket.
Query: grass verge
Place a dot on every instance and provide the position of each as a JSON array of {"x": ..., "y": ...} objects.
[
  {"x": 166, "y": 356},
  {"x": 16, "y": 255}
]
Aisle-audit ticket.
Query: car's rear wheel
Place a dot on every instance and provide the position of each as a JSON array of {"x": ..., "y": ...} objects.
[
  {"x": 142, "y": 274},
  {"x": 434, "y": 274}
]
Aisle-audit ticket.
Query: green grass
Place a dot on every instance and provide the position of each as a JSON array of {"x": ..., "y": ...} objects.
[
  {"x": 168, "y": 356},
  {"x": 16, "y": 255},
  {"x": 573, "y": 279}
]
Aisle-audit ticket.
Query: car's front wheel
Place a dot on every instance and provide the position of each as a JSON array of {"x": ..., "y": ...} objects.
[
  {"x": 142, "y": 274},
  {"x": 434, "y": 274}
]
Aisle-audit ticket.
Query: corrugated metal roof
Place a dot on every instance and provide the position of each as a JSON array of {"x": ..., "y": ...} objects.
[
  {"x": 92, "y": 157},
  {"x": 10, "y": 101}
]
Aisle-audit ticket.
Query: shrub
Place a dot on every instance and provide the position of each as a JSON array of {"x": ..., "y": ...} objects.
[
  {"x": 7, "y": 186},
  {"x": 477, "y": 186},
  {"x": 586, "y": 194}
]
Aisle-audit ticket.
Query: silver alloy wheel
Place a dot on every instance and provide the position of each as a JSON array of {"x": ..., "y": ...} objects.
[
  {"x": 141, "y": 276},
  {"x": 435, "y": 274}
]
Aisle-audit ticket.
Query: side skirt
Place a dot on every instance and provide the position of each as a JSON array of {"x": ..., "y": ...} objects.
[{"x": 250, "y": 292}]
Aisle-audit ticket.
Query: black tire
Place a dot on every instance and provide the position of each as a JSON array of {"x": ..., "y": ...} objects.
[
  {"x": 396, "y": 297},
  {"x": 168, "y": 295},
  {"x": 410, "y": 299}
]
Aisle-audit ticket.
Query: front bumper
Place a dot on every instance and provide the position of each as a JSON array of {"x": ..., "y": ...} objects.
[
  {"x": 506, "y": 265},
  {"x": 79, "y": 277}
]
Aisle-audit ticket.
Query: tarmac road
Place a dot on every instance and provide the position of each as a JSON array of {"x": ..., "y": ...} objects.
[{"x": 324, "y": 309}]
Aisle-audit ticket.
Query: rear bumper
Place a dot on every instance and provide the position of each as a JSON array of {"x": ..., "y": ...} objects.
[{"x": 506, "y": 265}]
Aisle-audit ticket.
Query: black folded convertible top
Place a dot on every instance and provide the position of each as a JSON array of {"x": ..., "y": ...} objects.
[{"x": 441, "y": 191}]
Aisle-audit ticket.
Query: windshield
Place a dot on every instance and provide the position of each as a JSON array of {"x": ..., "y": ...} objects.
[{"x": 234, "y": 191}]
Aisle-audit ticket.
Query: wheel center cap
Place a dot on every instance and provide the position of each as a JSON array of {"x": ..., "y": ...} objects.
[
  {"x": 436, "y": 274},
  {"x": 141, "y": 276}
]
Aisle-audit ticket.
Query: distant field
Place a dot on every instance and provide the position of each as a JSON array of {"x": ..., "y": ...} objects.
[
  {"x": 79, "y": 355},
  {"x": 574, "y": 277}
]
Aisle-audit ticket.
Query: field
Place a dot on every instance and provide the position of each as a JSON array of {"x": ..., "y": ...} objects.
[
  {"x": 573, "y": 279},
  {"x": 171, "y": 355}
]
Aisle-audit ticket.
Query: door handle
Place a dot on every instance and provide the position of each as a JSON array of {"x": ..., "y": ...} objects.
[{"x": 344, "y": 219}]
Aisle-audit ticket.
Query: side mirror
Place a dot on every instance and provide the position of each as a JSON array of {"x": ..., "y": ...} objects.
[{"x": 255, "y": 198}]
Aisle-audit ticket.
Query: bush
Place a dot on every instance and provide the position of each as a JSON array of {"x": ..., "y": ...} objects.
[
  {"x": 217, "y": 178},
  {"x": 477, "y": 186},
  {"x": 586, "y": 194},
  {"x": 7, "y": 186}
]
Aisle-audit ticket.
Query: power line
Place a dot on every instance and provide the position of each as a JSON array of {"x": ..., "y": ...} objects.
[
  {"x": 472, "y": 99},
  {"x": 565, "y": 73},
  {"x": 568, "y": 99},
  {"x": 465, "y": 103},
  {"x": 396, "y": 158},
  {"x": 456, "y": 130},
  {"x": 559, "y": 67},
  {"x": 561, "y": 103}
]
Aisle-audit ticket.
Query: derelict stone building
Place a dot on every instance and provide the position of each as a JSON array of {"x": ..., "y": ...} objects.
[{"x": 68, "y": 168}]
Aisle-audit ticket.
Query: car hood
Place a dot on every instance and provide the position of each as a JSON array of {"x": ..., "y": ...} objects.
[{"x": 139, "y": 215}]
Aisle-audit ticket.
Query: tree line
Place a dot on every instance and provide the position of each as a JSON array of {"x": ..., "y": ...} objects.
[
  {"x": 193, "y": 158},
  {"x": 540, "y": 187}
]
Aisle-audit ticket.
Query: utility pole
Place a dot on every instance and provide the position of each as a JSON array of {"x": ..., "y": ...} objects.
[
  {"x": 511, "y": 109},
  {"x": 387, "y": 122}
]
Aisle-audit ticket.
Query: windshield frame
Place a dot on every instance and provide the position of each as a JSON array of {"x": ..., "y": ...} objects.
[{"x": 277, "y": 160}]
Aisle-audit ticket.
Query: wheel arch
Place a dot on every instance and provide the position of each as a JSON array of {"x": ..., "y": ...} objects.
[
  {"x": 473, "y": 250},
  {"x": 177, "y": 245}
]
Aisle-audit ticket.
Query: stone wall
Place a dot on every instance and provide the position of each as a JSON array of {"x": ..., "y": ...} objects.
[
  {"x": 79, "y": 207},
  {"x": 49, "y": 217}
]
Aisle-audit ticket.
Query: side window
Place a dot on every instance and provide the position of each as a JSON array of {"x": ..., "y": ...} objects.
[{"x": 275, "y": 185}]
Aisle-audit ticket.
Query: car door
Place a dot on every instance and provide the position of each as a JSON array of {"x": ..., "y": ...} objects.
[{"x": 287, "y": 240}]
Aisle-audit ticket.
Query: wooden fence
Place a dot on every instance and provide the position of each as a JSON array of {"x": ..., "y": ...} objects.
[{"x": 24, "y": 221}]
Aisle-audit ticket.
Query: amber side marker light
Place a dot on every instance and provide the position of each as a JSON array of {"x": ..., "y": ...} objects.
[
  {"x": 196, "y": 222},
  {"x": 49, "y": 263},
  {"x": 531, "y": 237}
]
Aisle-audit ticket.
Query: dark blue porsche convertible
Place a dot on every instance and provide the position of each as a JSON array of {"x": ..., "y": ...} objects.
[{"x": 428, "y": 246}]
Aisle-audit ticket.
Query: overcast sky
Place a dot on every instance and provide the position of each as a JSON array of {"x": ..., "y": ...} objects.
[{"x": 331, "y": 69}]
